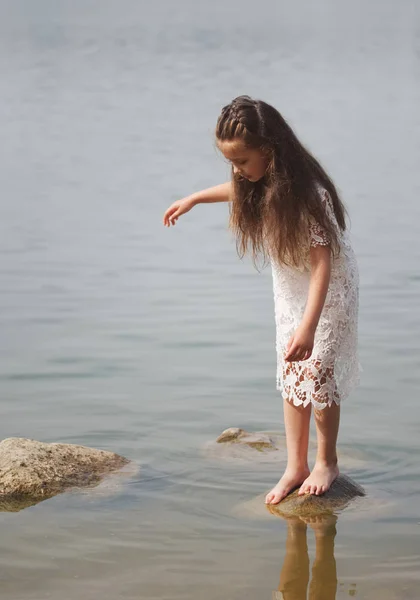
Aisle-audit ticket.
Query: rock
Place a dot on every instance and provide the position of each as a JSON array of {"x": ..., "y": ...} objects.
[
  {"x": 338, "y": 497},
  {"x": 259, "y": 441},
  {"x": 230, "y": 435},
  {"x": 32, "y": 471}
]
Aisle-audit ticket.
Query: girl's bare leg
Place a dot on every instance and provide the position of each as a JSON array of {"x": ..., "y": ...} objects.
[
  {"x": 325, "y": 470},
  {"x": 296, "y": 421}
]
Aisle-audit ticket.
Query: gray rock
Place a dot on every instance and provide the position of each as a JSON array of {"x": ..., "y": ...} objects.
[{"x": 32, "y": 471}]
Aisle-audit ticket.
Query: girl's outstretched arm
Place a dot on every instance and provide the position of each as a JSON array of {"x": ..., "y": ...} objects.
[
  {"x": 302, "y": 342},
  {"x": 218, "y": 193}
]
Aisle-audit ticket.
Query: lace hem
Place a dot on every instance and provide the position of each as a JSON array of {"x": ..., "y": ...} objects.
[
  {"x": 296, "y": 401},
  {"x": 310, "y": 381},
  {"x": 303, "y": 383}
]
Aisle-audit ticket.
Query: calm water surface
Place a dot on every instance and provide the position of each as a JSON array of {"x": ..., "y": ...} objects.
[{"x": 120, "y": 334}]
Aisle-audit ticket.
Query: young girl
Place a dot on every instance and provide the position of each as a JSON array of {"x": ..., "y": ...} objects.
[{"x": 285, "y": 208}]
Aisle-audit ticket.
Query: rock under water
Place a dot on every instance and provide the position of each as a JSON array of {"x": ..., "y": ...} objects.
[
  {"x": 341, "y": 493},
  {"x": 235, "y": 435},
  {"x": 31, "y": 471}
]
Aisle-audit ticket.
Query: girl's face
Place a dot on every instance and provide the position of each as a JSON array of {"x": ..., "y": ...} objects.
[{"x": 250, "y": 163}]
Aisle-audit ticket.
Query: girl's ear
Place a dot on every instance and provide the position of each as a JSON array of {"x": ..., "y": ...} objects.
[
  {"x": 267, "y": 152},
  {"x": 268, "y": 155}
]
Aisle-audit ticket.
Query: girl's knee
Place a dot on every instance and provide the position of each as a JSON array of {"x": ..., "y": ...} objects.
[{"x": 326, "y": 413}]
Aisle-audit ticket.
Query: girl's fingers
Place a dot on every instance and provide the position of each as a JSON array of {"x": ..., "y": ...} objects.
[
  {"x": 292, "y": 353},
  {"x": 171, "y": 216},
  {"x": 296, "y": 354},
  {"x": 289, "y": 349},
  {"x": 175, "y": 217},
  {"x": 170, "y": 213},
  {"x": 302, "y": 355}
]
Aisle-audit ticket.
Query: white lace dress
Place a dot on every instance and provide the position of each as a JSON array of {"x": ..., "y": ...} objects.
[{"x": 332, "y": 371}]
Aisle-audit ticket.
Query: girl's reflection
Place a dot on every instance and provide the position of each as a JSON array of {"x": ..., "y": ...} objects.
[{"x": 294, "y": 576}]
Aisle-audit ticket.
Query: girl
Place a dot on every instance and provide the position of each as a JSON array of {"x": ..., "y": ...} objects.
[{"x": 285, "y": 208}]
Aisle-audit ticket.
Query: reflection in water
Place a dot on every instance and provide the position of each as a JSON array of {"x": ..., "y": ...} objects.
[{"x": 294, "y": 576}]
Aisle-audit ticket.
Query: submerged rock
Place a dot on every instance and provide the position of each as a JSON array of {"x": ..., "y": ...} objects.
[
  {"x": 32, "y": 471},
  {"x": 259, "y": 441},
  {"x": 341, "y": 493}
]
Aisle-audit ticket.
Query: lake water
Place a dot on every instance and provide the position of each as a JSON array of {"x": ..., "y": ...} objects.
[{"x": 120, "y": 334}]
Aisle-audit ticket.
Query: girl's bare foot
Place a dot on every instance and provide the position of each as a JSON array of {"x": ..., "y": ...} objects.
[
  {"x": 320, "y": 480},
  {"x": 290, "y": 480}
]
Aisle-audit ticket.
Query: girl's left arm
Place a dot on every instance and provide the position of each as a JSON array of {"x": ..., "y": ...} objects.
[{"x": 301, "y": 344}]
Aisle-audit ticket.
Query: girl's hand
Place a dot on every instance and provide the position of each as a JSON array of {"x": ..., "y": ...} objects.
[
  {"x": 300, "y": 345},
  {"x": 178, "y": 208}
]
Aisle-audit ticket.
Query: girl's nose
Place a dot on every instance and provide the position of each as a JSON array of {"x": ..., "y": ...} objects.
[{"x": 235, "y": 170}]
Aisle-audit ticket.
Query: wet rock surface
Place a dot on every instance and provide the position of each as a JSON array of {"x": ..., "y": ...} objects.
[{"x": 341, "y": 493}]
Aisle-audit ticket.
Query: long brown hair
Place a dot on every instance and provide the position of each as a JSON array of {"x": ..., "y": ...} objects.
[{"x": 273, "y": 213}]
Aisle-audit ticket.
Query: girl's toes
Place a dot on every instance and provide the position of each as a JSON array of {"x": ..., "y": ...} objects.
[{"x": 269, "y": 498}]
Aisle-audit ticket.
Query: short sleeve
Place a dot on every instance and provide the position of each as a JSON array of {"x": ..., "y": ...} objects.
[{"x": 317, "y": 234}]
